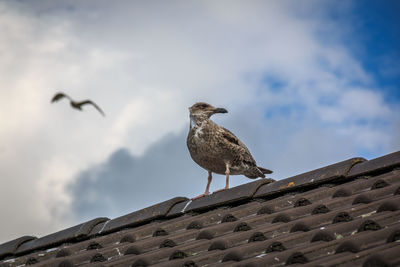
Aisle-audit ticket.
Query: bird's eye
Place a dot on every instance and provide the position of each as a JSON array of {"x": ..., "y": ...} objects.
[{"x": 203, "y": 105}]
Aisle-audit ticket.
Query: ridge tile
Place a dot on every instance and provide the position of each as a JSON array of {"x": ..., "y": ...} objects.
[
  {"x": 225, "y": 197},
  {"x": 8, "y": 248},
  {"x": 376, "y": 165},
  {"x": 327, "y": 173},
  {"x": 141, "y": 216},
  {"x": 75, "y": 233}
]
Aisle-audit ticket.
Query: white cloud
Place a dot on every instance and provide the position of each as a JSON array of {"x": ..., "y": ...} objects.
[{"x": 144, "y": 64}]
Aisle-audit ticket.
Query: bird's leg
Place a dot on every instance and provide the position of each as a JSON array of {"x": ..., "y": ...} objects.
[
  {"x": 207, "y": 192},
  {"x": 227, "y": 172}
]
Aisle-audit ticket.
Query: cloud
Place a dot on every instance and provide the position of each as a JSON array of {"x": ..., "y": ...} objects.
[
  {"x": 117, "y": 185},
  {"x": 144, "y": 64}
]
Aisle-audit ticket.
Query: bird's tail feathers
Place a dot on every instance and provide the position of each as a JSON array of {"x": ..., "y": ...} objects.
[
  {"x": 256, "y": 172},
  {"x": 264, "y": 171}
]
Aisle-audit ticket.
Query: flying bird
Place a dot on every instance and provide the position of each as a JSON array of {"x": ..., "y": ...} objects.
[
  {"x": 76, "y": 104},
  {"x": 217, "y": 149}
]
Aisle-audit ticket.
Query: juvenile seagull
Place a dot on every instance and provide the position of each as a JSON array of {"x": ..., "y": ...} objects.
[
  {"x": 75, "y": 104},
  {"x": 216, "y": 149}
]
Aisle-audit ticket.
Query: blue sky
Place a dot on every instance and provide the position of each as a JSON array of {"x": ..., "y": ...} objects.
[
  {"x": 306, "y": 85},
  {"x": 376, "y": 34}
]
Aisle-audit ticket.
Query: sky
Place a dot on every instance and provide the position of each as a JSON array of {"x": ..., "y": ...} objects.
[{"x": 306, "y": 84}]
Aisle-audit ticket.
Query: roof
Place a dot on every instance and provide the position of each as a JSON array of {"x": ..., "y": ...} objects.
[{"x": 345, "y": 214}]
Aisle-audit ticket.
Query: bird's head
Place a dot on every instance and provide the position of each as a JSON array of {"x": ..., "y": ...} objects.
[{"x": 202, "y": 110}]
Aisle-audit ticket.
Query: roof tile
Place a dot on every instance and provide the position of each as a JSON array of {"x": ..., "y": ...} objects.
[
  {"x": 380, "y": 164},
  {"x": 234, "y": 194},
  {"x": 10, "y": 247},
  {"x": 75, "y": 233},
  {"x": 331, "y": 172},
  {"x": 141, "y": 216},
  {"x": 178, "y": 209}
]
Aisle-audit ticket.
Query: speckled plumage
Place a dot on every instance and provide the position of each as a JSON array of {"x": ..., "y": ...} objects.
[{"x": 216, "y": 149}]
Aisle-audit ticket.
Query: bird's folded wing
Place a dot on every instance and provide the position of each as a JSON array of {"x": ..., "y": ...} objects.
[{"x": 233, "y": 143}]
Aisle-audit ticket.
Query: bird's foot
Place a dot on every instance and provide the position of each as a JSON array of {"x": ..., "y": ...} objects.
[{"x": 200, "y": 196}]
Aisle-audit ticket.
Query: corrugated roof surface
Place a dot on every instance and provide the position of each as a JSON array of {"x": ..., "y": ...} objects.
[{"x": 345, "y": 214}]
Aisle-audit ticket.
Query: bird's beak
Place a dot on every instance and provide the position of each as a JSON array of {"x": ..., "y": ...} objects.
[{"x": 220, "y": 110}]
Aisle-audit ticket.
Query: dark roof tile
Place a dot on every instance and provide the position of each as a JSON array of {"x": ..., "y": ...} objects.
[
  {"x": 397, "y": 192},
  {"x": 394, "y": 236},
  {"x": 178, "y": 254},
  {"x": 93, "y": 245},
  {"x": 63, "y": 253},
  {"x": 98, "y": 257},
  {"x": 257, "y": 237},
  {"x": 167, "y": 243},
  {"x": 342, "y": 217},
  {"x": 362, "y": 199},
  {"x": 234, "y": 194},
  {"x": 376, "y": 260},
  {"x": 297, "y": 258},
  {"x": 275, "y": 246},
  {"x": 133, "y": 250},
  {"x": 195, "y": 225},
  {"x": 75, "y": 233},
  {"x": 302, "y": 202},
  {"x": 178, "y": 208},
  {"x": 31, "y": 261},
  {"x": 205, "y": 234},
  {"x": 228, "y": 218},
  {"x": 141, "y": 262},
  {"x": 380, "y": 164},
  {"x": 348, "y": 246},
  {"x": 190, "y": 264},
  {"x": 379, "y": 184},
  {"x": 159, "y": 232},
  {"x": 242, "y": 226},
  {"x": 219, "y": 244},
  {"x": 235, "y": 255},
  {"x": 282, "y": 217},
  {"x": 389, "y": 205},
  {"x": 266, "y": 209},
  {"x": 321, "y": 208},
  {"x": 65, "y": 263},
  {"x": 328, "y": 173},
  {"x": 141, "y": 216},
  {"x": 10, "y": 247},
  {"x": 128, "y": 238},
  {"x": 342, "y": 192},
  {"x": 300, "y": 226},
  {"x": 369, "y": 225},
  {"x": 323, "y": 235}
]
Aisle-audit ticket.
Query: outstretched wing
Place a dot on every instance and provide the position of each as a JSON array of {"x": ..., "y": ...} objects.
[
  {"x": 59, "y": 96},
  {"x": 92, "y": 103}
]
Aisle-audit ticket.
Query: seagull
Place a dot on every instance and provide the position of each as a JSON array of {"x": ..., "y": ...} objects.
[
  {"x": 217, "y": 149},
  {"x": 75, "y": 104}
]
